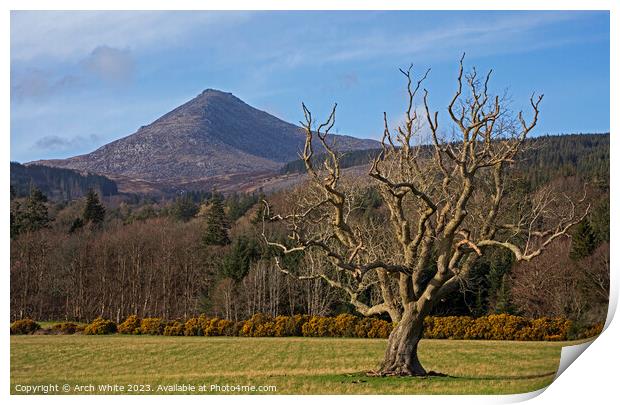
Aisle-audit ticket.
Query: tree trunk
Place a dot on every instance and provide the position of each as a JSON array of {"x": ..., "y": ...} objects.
[{"x": 401, "y": 355}]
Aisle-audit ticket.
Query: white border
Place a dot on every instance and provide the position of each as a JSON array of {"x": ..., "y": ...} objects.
[{"x": 591, "y": 379}]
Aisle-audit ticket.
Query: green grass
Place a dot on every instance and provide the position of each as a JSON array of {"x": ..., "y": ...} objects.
[{"x": 293, "y": 365}]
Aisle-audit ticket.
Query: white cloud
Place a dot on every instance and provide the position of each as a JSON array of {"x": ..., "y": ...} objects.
[
  {"x": 36, "y": 83},
  {"x": 54, "y": 143},
  {"x": 68, "y": 35},
  {"x": 110, "y": 64},
  {"x": 107, "y": 64},
  {"x": 495, "y": 35}
]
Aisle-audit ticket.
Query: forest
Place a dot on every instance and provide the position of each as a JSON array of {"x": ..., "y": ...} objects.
[
  {"x": 58, "y": 184},
  {"x": 204, "y": 252}
]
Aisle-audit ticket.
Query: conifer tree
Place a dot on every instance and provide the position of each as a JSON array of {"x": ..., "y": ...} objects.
[
  {"x": 503, "y": 304},
  {"x": 236, "y": 263},
  {"x": 260, "y": 211},
  {"x": 34, "y": 216},
  {"x": 94, "y": 211},
  {"x": 599, "y": 221},
  {"x": 184, "y": 208},
  {"x": 216, "y": 232},
  {"x": 14, "y": 224},
  {"x": 583, "y": 242},
  {"x": 77, "y": 223}
]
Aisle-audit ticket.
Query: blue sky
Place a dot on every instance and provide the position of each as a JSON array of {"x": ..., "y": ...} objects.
[{"x": 82, "y": 79}]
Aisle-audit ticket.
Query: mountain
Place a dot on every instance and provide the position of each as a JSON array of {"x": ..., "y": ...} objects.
[
  {"x": 58, "y": 184},
  {"x": 214, "y": 134}
]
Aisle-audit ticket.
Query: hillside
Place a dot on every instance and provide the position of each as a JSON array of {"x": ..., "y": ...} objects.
[
  {"x": 214, "y": 134},
  {"x": 58, "y": 184},
  {"x": 546, "y": 157}
]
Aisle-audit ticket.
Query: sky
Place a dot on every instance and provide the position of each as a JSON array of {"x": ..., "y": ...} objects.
[{"x": 80, "y": 80}]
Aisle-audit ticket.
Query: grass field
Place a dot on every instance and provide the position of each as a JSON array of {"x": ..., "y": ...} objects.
[{"x": 293, "y": 365}]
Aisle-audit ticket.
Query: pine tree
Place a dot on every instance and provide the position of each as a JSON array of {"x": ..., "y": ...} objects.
[
  {"x": 236, "y": 263},
  {"x": 584, "y": 241},
  {"x": 499, "y": 264},
  {"x": 260, "y": 212},
  {"x": 184, "y": 208},
  {"x": 599, "y": 221},
  {"x": 77, "y": 223},
  {"x": 34, "y": 216},
  {"x": 479, "y": 305},
  {"x": 15, "y": 212},
  {"x": 216, "y": 232},
  {"x": 503, "y": 304},
  {"x": 94, "y": 211}
]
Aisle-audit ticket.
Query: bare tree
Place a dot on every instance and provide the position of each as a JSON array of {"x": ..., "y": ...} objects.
[
  {"x": 318, "y": 296},
  {"x": 447, "y": 200},
  {"x": 549, "y": 286},
  {"x": 556, "y": 285}
]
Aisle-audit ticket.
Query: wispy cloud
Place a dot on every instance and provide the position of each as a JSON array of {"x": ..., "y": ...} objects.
[
  {"x": 36, "y": 83},
  {"x": 68, "y": 35},
  {"x": 497, "y": 35},
  {"x": 110, "y": 64},
  {"x": 55, "y": 143},
  {"x": 108, "y": 72}
]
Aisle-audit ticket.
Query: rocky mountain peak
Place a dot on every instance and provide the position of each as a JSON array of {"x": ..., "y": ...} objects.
[{"x": 213, "y": 134}]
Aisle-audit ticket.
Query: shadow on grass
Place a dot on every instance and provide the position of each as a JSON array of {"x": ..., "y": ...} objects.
[
  {"x": 363, "y": 377},
  {"x": 507, "y": 377}
]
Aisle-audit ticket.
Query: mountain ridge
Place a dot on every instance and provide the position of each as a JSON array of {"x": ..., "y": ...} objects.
[{"x": 213, "y": 134}]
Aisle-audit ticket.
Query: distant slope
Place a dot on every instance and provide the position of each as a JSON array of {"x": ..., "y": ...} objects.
[
  {"x": 348, "y": 159},
  {"x": 58, "y": 184},
  {"x": 558, "y": 155},
  {"x": 583, "y": 155},
  {"x": 213, "y": 134}
]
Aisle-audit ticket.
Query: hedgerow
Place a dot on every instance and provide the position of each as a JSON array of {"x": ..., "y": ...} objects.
[
  {"x": 492, "y": 327},
  {"x": 289, "y": 325},
  {"x": 130, "y": 326},
  {"x": 100, "y": 326},
  {"x": 497, "y": 327},
  {"x": 174, "y": 328},
  {"x": 152, "y": 326},
  {"x": 24, "y": 327},
  {"x": 219, "y": 327},
  {"x": 195, "y": 326},
  {"x": 66, "y": 328}
]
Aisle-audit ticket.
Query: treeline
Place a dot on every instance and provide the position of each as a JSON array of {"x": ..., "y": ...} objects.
[
  {"x": 170, "y": 260},
  {"x": 347, "y": 159},
  {"x": 583, "y": 155},
  {"x": 544, "y": 158},
  {"x": 115, "y": 264},
  {"x": 58, "y": 184},
  {"x": 151, "y": 267},
  {"x": 156, "y": 267},
  {"x": 203, "y": 252}
]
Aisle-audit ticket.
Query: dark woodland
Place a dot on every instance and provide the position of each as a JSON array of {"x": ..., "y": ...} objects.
[{"x": 77, "y": 253}]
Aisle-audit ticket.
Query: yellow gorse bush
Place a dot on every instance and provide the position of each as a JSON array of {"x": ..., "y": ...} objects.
[
  {"x": 195, "y": 326},
  {"x": 491, "y": 327},
  {"x": 174, "y": 328},
  {"x": 152, "y": 326},
  {"x": 131, "y": 325},
  {"x": 66, "y": 328},
  {"x": 218, "y": 327},
  {"x": 100, "y": 326},
  {"x": 497, "y": 327},
  {"x": 24, "y": 327}
]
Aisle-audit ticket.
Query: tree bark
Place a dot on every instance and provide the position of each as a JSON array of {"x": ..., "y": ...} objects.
[{"x": 401, "y": 355}]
